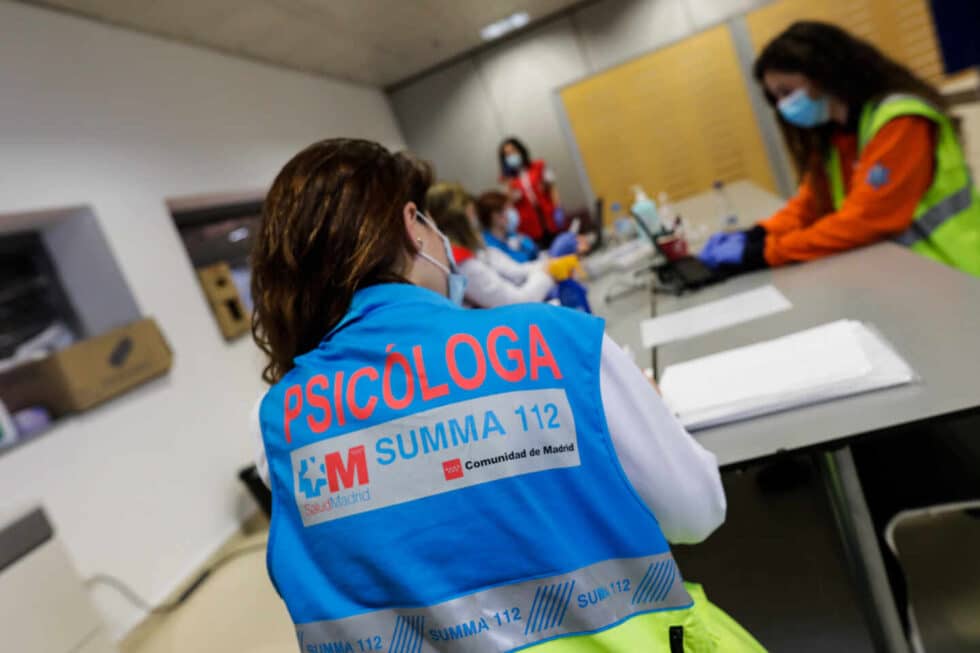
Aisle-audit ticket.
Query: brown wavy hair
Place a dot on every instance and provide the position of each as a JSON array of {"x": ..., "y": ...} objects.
[
  {"x": 843, "y": 65},
  {"x": 331, "y": 225}
]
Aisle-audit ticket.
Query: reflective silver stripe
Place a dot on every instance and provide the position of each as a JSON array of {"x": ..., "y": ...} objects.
[
  {"x": 511, "y": 616},
  {"x": 923, "y": 226},
  {"x": 901, "y": 97}
]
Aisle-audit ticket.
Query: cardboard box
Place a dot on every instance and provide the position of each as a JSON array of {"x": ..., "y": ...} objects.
[
  {"x": 226, "y": 303},
  {"x": 90, "y": 371}
]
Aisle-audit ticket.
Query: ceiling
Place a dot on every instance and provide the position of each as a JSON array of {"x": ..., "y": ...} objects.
[{"x": 376, "y": 42}]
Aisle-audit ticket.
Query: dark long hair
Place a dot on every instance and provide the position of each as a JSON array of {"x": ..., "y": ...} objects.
[
  {"x": 331, "y": 225},
  {"x": 525, "y": 157},
  {"x": 842, "y": 65}
]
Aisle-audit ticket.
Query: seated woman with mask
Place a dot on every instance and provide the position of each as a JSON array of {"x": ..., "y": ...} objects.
[
  {"x": 500, "y": 221},
  {"x": 492, "y": 278},
  {"x": 877, "y": 153},
  {"x": 391, "y": 515}
]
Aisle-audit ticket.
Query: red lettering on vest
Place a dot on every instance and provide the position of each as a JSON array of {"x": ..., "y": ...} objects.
[
  {"x": 289, "y": 414},
  {"x": 428, "y": 392},
  {"x": 318, "y": 401},
  {"x": 338, "y": 385},
  {"x": 516, "y": 355},
  {"x": 541, "y": 355},
  {"x": 361, "y": 412},
  {"x": 395, "y": 358},
  {"x": 339, "y": 474},
  {"x": 480, "y": 375}
]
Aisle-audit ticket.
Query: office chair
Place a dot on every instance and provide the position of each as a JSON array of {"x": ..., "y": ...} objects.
[
  {"x": 941, "y": 634},
  {"x": 249, "y": 476}
]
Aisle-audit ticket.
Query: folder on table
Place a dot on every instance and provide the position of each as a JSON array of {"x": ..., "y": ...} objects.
[{"x": 835, "y": 360}]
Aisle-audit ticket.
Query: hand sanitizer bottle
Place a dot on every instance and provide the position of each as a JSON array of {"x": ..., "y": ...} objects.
[{"x": 646, "y": 209}]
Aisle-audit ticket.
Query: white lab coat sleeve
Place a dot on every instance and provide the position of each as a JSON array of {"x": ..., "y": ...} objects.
[
  {"x": 673, "y": 474},
  {"x": 258, "y": 446},
  {"x": 508, "y": 268},
  {"x": 487, "y": 288}
]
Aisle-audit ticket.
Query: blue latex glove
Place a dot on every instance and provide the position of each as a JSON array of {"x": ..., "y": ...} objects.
[
  {"x": 707, "y": 254},
  {"x": 564, "y": 244},
  {"x": 559, "y": 215},
  {"x": 723, "y": 248}
]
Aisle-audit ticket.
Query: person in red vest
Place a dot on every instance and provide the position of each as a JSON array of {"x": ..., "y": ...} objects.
[{"x": 531, "y": 185}]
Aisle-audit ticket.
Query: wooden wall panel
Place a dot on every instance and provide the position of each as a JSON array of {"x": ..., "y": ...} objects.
[
  {"x": 903, "y": 29},
  {"x": 673, "y": 120},
  {"x": 679, "y": 118}
]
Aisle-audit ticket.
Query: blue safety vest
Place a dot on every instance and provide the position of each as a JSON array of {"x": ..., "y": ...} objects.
[
  {"x": 523, "y": 250},
  {"x": 444, "y": 480}
]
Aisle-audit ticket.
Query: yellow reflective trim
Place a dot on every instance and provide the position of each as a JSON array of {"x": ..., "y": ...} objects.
[
  {"x": 707, "y": 629},
  {"x": 835, "y": 178},
  {"x": 947, "y": 217}
]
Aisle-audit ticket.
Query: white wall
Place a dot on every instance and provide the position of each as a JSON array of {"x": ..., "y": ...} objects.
[
  {"x": 519, "y": 83},
  {"x": 457, "y": 116},
  {"x": 452, "y": 124},
  {"x": 145, "y": 487}
]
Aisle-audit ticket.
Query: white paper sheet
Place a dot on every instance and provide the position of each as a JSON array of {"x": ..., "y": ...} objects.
[
  {"x": 834, "y": 360},
  {"x": 713, "y": 316}
]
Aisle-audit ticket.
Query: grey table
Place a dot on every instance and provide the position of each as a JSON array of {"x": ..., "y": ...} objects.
[
  {"x": 931, "y": 315},
  {"x": 700, "y": 214}
]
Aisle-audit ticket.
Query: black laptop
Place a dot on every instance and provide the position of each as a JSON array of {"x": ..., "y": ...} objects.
[{"x": 687, "y": 273}]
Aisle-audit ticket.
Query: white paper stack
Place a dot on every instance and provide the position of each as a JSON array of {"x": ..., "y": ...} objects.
[
  {"x": 712, "y": 316},
  {"x": 835, "y": 360}
]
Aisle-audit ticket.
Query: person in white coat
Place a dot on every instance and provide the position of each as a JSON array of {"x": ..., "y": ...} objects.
[{"x": 492, "y": 278}]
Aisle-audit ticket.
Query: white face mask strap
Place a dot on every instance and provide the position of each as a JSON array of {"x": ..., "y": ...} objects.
[
  {"x": 436, "y": 263},
  {"x": 428, "y": 222}
]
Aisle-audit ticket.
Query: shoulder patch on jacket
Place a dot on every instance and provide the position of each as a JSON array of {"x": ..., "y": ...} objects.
[{"x": 878, "y": 176}]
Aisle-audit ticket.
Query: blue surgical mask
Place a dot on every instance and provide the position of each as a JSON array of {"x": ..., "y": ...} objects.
[
  {"x": 514, "y": 161},
  {"x": 801, "y": 110},
  {"x": 455, "y": 281},
  {"x": 457, "y": 288},
  {"x": 513, "y": 220}
]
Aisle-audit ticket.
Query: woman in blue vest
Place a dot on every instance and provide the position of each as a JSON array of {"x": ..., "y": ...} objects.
[
  {"x": 500, "y": 222},
  {"x": 458, "y": 480}
]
